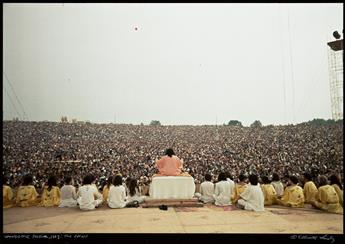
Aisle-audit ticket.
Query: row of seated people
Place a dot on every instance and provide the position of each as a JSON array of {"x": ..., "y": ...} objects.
[
  {"x": 249, "y": 196},
  {"x": 115, "y": 194},
  {"x": 254, "y": 196}
]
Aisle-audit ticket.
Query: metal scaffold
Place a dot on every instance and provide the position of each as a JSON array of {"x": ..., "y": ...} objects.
[{"x": 335, "y": 61}]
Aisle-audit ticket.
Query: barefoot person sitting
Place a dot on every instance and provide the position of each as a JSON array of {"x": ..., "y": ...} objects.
[{"x": 169, "y": 165}]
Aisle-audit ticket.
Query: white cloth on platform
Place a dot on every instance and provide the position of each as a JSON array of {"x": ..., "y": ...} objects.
[{"x": 172, "y": 187}]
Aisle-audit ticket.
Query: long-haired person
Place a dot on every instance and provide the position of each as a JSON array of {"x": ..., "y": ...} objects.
[
  {"x": 327, "y": 198},
  {"x": 268, "y": 190},
  {"x": 68, "y": 193},
  {"x": 240, "y": 187},
  {"x": 27, "y": 194},
  {"x": 51, "y": 195},
  {"x": 106, "y": 189},
  {"x": 336, "y": 183},
  {"x": 309, "y": 188},
  {"x": 169, "y": 165},
  {"x": 7, "y": 193},
  {"x": 88, "y": 196},
  {"x": 252, "y": 198},
  {"x": 293, "y": 195},
  {"x": 134, "y": 194},
  {"x": 277, "y": 184},
  {"x": 222, "y": 191},
  {"x": 117, "y": 194}
]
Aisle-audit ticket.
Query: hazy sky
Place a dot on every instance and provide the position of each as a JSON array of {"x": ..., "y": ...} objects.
[{"x": 177, "y": 63}]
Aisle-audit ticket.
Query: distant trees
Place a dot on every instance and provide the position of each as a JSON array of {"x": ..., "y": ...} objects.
[
  {"x": 323, "y": 121},
  {"x": 235, "y": 123},
  {"x": 155, "y": 122},
  {"x": 64, "y": 119},
  {"x": 256, "y": 124}
]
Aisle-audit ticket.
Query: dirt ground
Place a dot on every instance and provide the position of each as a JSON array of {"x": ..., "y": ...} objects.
[{"x": 207, "y": 219}]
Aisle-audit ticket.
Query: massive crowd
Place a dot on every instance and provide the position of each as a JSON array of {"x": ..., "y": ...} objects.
[{"x": 51, "y": 148}]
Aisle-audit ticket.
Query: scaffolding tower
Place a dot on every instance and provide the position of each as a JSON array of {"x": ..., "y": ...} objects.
[{"x": 335, "y": 61}]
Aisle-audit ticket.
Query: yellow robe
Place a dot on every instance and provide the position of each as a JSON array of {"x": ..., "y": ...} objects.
[
  {"x": 340, "y": 193},
  {"x": 7, "y": 196},
  {"x": 310, "y": 192},
  {"x": 26, "y": 196},
  {"x": 270, "y": 194},
  {"x": 51, "y": 198},
  {"x": 293, "y": 197},
  {"x": 105, "y": 193},
  {"x": 238, "y": 190},
  {"x": 328, "y": 200}
]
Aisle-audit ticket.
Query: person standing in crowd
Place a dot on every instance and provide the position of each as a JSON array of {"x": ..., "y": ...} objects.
[
  {"x": 106, "y": 189},
  {"x": 277, "y": 184},
  {"x": 117, "y": 194},
  {"x": 222, "y": 192},
  {"x": 309, "y": 188},
  {"x": 293, "y": 195},
  {"x": 51, "y": 195},
  {"x": 68, "y": 194},
  {"x": 252, "y": 198},
  {"x": 206, "y": 190},
  {"x": 327, "y": 198},
  {"x": 88, "y": 196},
  {"x": 335, "y": 182},
  {"x": 27, "y": 194},
  {"x": 7, "y": 194},
  {"x": 240, "y": 187},
  {"x": 169, "y": 165},
  {"x": 268, "y": 191}
]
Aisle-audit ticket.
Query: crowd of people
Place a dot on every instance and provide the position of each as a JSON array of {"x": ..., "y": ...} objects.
[{"x": 51, "y": 148}]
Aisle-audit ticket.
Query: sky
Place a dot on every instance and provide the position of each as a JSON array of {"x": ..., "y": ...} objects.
[{"x": 180, "y": 64}]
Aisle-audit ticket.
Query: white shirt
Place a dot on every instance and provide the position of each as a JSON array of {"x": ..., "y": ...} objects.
[
  {"x": 253, "y": 197},
  {"x": 86, "y": 197},
  {"x": 222, "y": 193},
  {"x": 117, "y": 197},
  {"x": 232, "y": 184},
  {"x": 68, "y": 196},
  {"x": 207, "y": 191},
  {"x": 278, "y": 186}
]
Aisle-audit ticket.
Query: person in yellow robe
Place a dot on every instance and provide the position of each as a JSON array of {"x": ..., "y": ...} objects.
[
  {"x": 106, "y": 189},
  {"x": 51, "y": 196},
  {"x": 293, "y": 194},
  {"x": 26, "y": 194},
  {"x": 309, "y": 189},
  {"x": 7, "y": 194},
  {"x": 335, "y": 182},
  {"x": 239, "y": 188},
  {"x": 270, "y": 193},
  {"x": 327, "y": 198}
]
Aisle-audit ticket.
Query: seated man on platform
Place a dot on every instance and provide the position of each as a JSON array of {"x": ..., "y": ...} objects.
[
  {"x": 169, "y": 165},
  {"x": 293, "y": 195},
  {"x": 206, "y": 190},
  {"x": 327, "y": 198}
]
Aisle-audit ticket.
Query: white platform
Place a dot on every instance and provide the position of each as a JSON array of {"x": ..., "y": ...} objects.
[{"x": 172, "y": 187}]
